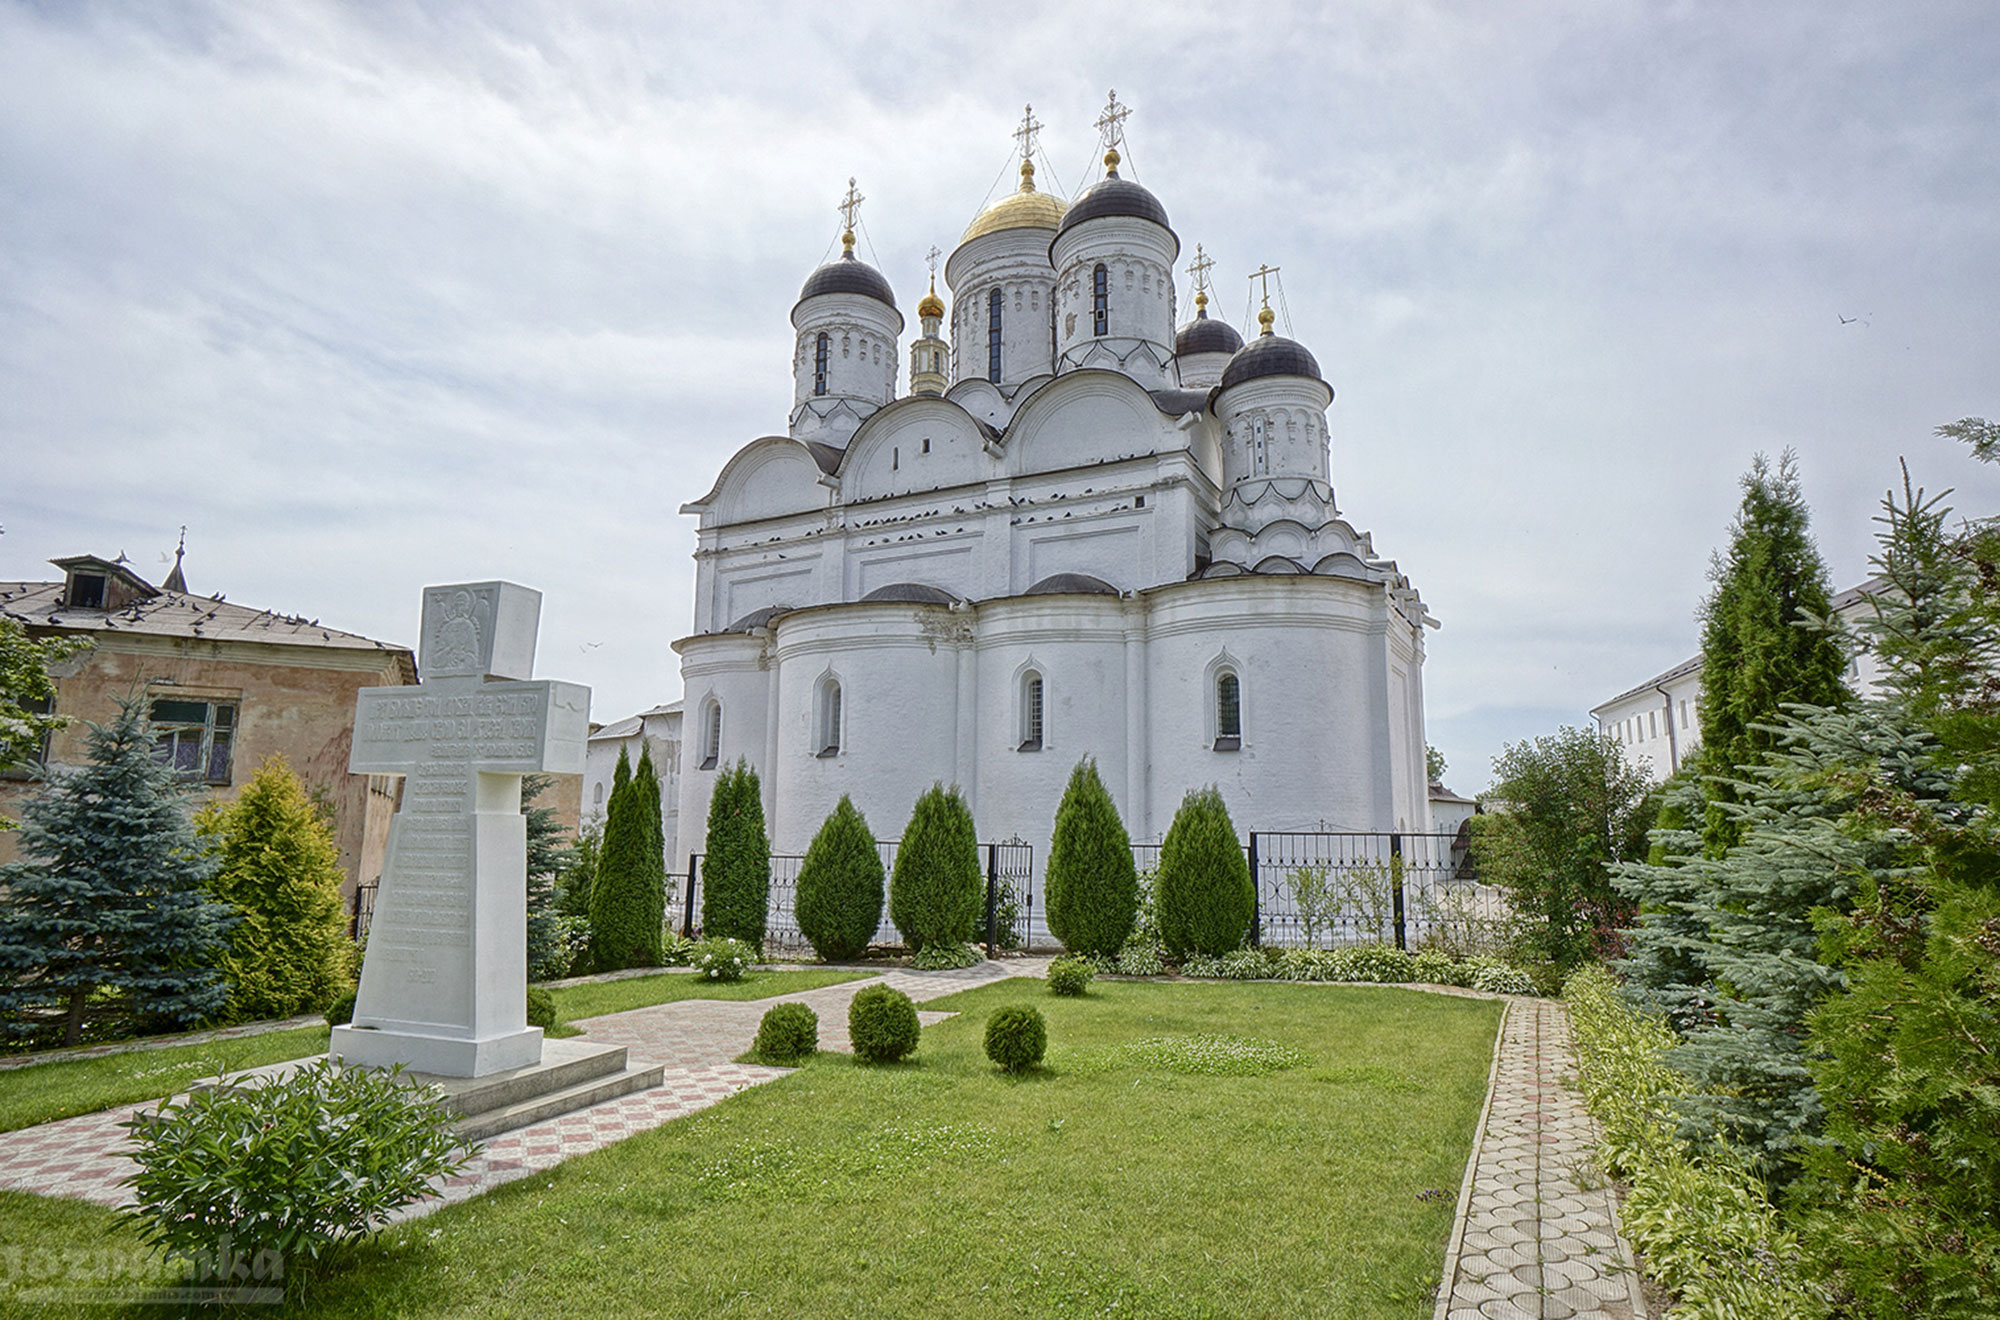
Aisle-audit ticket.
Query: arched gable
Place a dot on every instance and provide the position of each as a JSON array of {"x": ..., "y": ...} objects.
[
  {"x": 1086, "y": 417},
  {"x": 767, "y": 478},
  {"x": 914, "y": 444}
]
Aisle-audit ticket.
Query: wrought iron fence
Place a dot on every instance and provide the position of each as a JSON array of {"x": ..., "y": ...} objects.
[
  {"x": 1321, "y": 889},
  {"x": 362, "y": 911},
  {"x": 1008, "y": 919}
]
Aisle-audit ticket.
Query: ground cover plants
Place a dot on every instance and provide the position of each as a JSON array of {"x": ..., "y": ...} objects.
[{"x": 1109, "y": 1180}]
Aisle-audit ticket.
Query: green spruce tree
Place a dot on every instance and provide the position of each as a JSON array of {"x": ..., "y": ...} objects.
[
  {"x": 108, "y": 927},
  {"x": 937, "y": 889},
  {"x": 1757, "y": 648},
  {"x": 280, "y": 869},
  {"x": 548, "y": 953},
  {"x": 1203, "y": 897},
  {"x": 840, "y": 886},
  {"x": 736, "y": 872},
  {"x": 1092, "y": 886},
  {"x": 626, "y": 925}
]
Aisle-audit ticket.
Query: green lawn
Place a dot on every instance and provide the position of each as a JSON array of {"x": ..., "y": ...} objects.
[
  {"x": 46, "y": 1091},
  {"x": 1111, "y": 1182},
  {"x": 600, "y": 997}
]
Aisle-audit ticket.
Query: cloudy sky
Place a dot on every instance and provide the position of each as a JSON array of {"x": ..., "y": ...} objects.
[{"x": 370, "y": 296}]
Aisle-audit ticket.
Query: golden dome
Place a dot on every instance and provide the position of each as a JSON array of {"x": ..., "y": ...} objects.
[
  {"x": 930, "y": 304},
  {"x": 1025, "y": 209}
]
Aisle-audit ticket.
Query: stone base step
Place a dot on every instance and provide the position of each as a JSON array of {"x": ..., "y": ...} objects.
[{"x": 596, "y": 1090}]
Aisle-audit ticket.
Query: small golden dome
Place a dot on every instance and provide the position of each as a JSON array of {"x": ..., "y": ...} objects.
[
  {"x": 930, "y": 304},
  {"x": 1024, "y": 209}
]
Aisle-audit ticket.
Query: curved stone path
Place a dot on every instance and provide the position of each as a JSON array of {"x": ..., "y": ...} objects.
[{"x": 1535, "y": 1238}]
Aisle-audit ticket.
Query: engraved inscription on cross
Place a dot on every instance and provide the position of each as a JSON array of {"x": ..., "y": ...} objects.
[{"x": 444, "y": 982}]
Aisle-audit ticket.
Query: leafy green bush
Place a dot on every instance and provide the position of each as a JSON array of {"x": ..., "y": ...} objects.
[
  {"x": 946, "y": 957},
  {"x": 341, "y": 1011},
  {"x": 1435, "y": 967},
  {"x": 280, "y": 870},
  {"x": 882, "y": 1024},
  {"x": 938, "y": 888},
  {"x": 1016, "y": 1037},
  {"x": 736, "y": 871},
  {"x": 678, "y": 951},
  {"x": 298, "y": 1164},
  {"x": 1092, "y": 888},
  {"x": 788, "y": 1033},
  {"x": 1141, "y": 958},
  {"x": 721, "y": 960},
  {"x": 542, "y": 1009},
  {"x": 840, "y": 886},
  {"x": 1069, "y": 976},
  {"x": 1205, "y": 901}
]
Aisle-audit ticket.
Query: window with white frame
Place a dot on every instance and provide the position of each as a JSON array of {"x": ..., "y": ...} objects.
[
  {"x": 1031, "y": 712},
  {"x": 1228, "y": 712},
  {"x": 711, "y": 734},
  {"x": 195, "y": 737},
  {"x": 826, "y": 724}
]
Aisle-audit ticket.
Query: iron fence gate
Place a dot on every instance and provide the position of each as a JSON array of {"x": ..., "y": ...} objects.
[
  {"x": 1006, "y": 921},
  {"x": 1321, "y": 889}
]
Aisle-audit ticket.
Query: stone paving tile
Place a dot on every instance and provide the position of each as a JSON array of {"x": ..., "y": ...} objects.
[{"x": 1530, "y": 1240}]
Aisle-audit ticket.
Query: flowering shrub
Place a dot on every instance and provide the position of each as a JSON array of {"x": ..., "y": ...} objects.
[{"x": 721, "y": 960}]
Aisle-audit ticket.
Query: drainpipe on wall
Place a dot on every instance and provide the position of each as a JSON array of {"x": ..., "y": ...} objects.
[{"x": 1673, "y": 743}]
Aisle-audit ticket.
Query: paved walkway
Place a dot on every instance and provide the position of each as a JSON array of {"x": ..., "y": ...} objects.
[{"x": 1536, "y": 1236}]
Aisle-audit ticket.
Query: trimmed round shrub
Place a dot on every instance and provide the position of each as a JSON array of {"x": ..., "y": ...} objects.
[
  {"x": 938, "y": 888},
  {"x": 736, "y": 870},
  {"x": 1092, "y": 887},
  {"x": 1017, "y": 1037},
  {"x": 342, "y": 1010},
  {"x": 788, "y": 1033},
  {"x": 1069, "y": 976},
  {"x": 840, "y": 886},
  {"x": 1204, "y": 901},
  {"x": 882, "y": 1024},
  {"x": 721, "y": 960},
  {"x": 542, "y": 1009}
]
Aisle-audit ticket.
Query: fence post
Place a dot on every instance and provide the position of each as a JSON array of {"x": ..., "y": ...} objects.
[
  {"x": 687, "y": 915},
  {"x": 1256, "y": 897},
  {"x": 992, "y": 900},
  {"x": 1396, "y": 875}
]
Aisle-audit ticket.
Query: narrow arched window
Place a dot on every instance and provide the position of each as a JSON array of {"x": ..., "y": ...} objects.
[
  {"x": 1031, "y": 712},
  {"x": 828, "y": 734},
  {"x": 1100, "y": 301},
  {"x": 821, "y": 353},
  {"x": 993, "y": 301},
  {"x": 711, "y": 735},
  {"x": 1228, "y": 713}
]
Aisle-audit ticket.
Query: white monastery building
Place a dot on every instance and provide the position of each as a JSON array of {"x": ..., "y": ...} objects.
[
  {"x": 1658, "y": 723},
  {"x": 1083, "y": 530},
  {"x": 657, "y": 730}
]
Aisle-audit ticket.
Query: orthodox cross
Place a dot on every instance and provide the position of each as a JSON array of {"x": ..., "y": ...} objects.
[
  {"x": 1025, "y": 134},
  {"x": 1199, "y": 268},
  {"x": 1265, "y": 316},
  {"x": 1111, "y": 124},
  {"x": 849, "y": 208},
  {"x": 1264, "y": 273},
  {"x": 930, "y": 260}
]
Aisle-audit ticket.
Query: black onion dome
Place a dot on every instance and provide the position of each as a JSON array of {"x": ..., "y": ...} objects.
[
  {"x": 1114, "y": 196},
  {"x": 1270, "y": 355},
  {"x": 909, "y": 593},
  {"x": 1062, "y": 584},
  {"x": 846, "y": 275},
  {"x": 1203, "y": 335}
]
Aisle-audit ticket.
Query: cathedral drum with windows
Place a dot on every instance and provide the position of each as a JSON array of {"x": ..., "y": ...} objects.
[{"x": 1082, "y": 532}]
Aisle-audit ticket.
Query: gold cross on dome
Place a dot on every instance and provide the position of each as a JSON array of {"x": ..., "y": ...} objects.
[
  {"x": 1027, "y": 132},
  {"x": 850, "y": 205},
  {"x": 1199, "y": 268},
  {"x": 1111, "y": 124},
  {"x": 930, "y": 259},
  {"x": 1265, "y": 273}
]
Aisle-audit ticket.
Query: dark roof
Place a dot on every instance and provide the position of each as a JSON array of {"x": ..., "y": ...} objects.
[
  {"x": 1203, "y": 335},
  {"x": 1114, "y": 196},
  {"x": 1058, "y": 584},
  {"x": 846, "y": 275},
  {"x": 1270, "y": 355},
  {"x": 1179, "y": 403},
  {"x": 912, "y": 593},
  {"x": 758, "y": 618}
]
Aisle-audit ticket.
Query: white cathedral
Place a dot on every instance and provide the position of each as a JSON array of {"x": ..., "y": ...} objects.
[{"x": 1080, "y": 532}]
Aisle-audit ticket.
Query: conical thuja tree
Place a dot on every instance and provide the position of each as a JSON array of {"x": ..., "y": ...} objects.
[
  {"x": 935, "y": 892},
  {"x": 1203, "y": 896},
  {"x": 840, "y": 886},
  {"x": 280, "y": 870},
  {"x": 108, "y": 927},
  {"x": 1092, "y": 885},
  {"x": 625, "y": 900},
  {"x": 736, "y": 871}
]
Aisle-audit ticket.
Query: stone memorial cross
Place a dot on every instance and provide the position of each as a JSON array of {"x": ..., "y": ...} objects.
[{"x": 444, "y": 984}]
